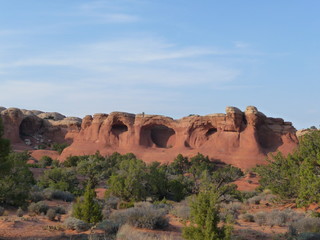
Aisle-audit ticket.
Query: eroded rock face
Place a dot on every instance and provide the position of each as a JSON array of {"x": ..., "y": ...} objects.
[
  {"x": 240, "y": 138},
  {"x": 35, "y": 128}
]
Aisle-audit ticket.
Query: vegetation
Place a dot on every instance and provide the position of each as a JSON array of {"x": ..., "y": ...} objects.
[
  {"x": 87, "y": 209},
  {"x": 60, "y": 179},
  {"x": 59, "y": 147},
  {"x": 16, "y": 181},
  {"x": 76, "y": 224},
  {"x": 15, "y": 177},
  {"x": 296, "y": 176},
  {"x": 45, "y": 161},
  {"x": 205, "y": 219}
]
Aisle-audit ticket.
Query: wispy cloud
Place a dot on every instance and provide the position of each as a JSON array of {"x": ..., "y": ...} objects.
[
  {"x": 241, "y": 45},
  {"x": 106, "y": 12},
  {"x": 11, "y": 32},
  {"x": 136, "y": 61}
]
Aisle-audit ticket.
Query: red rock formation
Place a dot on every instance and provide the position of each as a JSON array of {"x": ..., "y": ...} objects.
[
  {"x": 240, "y": 138},
  {"x": 34, "y": 128}
]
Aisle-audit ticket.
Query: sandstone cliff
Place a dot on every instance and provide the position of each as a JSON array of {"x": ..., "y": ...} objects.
[{"x": 239, "y": 138}]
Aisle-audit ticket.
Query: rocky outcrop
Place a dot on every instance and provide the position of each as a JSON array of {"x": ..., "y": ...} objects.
[
  {"x": 243, "y": 139},
  {"x": 240, "y": 138},
  {"x": 34, "y": 128}
]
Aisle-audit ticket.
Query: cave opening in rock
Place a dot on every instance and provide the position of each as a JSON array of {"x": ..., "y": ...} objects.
[
  {"x": 119, "y": 128},
  {"x": 162, "y": 136},
  {"x": 211, "y": 131},
  {"x": 29, "y": 127},
  {"x": 157, "y": 135}
]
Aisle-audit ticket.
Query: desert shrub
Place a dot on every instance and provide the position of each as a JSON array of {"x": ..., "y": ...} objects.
[
  {"x": 246, "y": 217},
  {"x": 127, "y": 232},
  {"x": 45, "y": 161},
  {"x": 307, "y": 224},
  {"x": 109, "y": 227},
  {"x": 142, "y": 204},
  {"x": 60, "y": 210},
  {"x": 125, "y": 205},
  {"x": 50, "y": 194},
  {"x": 147, "y": 217},
  {"x": 254, "y": 200},
  {"x": 76, "y": 224},
  {"x": 277, "y": 217},
  {"x": 181, "y": 210},
  {"x": 230, "y": 210},
  {"x": 141, "y": 217},
  {"x": 119, "y": 217},
  {"x": 314, "y": 214},
  {"x": 112, "y": 202},
  {"x": 38, "y": 208},
  {"x": 2, "y": 211},
  {"x": 106, "y": 212},
  {"x": 245, "y": 234},
  {"x": 309, "y": 236},
  {"x": 260, "y": 218},
  {"x": 51, "y": 214},
  {"x": 59, "y": 147},
  {"x": 20, "y": 212},
  {"x": 36, "y": 196}
]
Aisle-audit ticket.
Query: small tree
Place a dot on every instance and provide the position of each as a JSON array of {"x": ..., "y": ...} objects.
[
  {"x": 205, "y": 219},
  {"x": 129, "y": 183},
  {"x": 46, "y": 161},
  {"x": 60, "y": 179},
  {"x": 87, "y": 209},
  {"x": 4, "y": 151}
]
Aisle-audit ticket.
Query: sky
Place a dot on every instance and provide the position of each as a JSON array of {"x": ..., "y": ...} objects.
[{"x": 173, "y": 58}]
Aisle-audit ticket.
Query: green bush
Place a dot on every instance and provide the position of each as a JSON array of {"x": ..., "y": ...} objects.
[
  {"x": 60, "y": 179},
  {"x": 247, "y": 217},
  {"x": 205, "y": 219},
  {"x": 109, "y": 227},
  {"x": 147, "y": 217},
  {"x": 71, "y": 161},
  {"x": 87, "y": 209},
  {"x": 16, "y": 182},
  {"x": 45, "y": 161},
  {"x": 1, "y": 211},
  {"x": 20, "y": 212},
  {"x": 59, "y": 147},
  {"x": 50, "y": 194},
  {"x": 60, "y": 210},
  {"x": 295, "y": 176},
  {"x": 38, "y": 208},
  {"x": 125, "y": 205},
  {"x": 36, "y": 196},
  {"x": 51, "y": 214}
]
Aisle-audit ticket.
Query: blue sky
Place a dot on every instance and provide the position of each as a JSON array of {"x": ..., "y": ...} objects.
[{"x": 173, "y": 58}]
